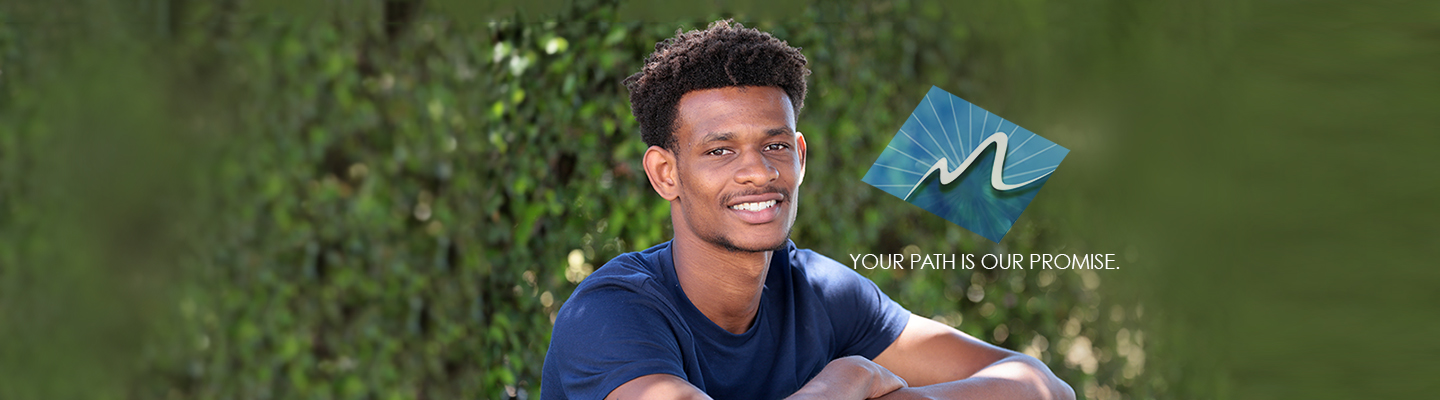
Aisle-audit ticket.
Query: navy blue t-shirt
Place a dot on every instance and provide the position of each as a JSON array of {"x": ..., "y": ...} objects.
[{"x": 631, "y": 318}]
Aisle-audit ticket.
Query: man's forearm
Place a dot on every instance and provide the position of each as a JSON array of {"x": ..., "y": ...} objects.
[{"x": 1016, "y": 377}]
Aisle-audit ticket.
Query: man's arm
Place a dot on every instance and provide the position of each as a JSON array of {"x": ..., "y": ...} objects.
[
  {"x": 941, "y": 362},
  {"x": 657, "y": 386}
]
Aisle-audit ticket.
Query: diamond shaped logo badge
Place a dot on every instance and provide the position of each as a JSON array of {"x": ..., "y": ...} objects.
[{"x": 965, "y": 164}]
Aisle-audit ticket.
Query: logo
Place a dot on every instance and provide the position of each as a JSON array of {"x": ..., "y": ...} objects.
[{"x": 965, "y": 164}]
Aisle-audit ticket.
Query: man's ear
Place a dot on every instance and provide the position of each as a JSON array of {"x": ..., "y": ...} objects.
[
  {"x": 800, "y": 148},
  {"x": 660, "y": 168}
]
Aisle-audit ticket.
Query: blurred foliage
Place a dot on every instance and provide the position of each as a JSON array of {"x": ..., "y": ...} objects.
[{"x": 390, "y": 200}]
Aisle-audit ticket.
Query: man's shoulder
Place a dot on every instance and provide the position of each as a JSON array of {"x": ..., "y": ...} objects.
[
  {"x": 820, "y": 270},
  {"x": 834, "y": 284},
  {"x": 619, "y": 324},
  {"x": 633, "y": 273}
]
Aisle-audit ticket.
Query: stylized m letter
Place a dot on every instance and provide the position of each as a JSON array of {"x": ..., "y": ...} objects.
[{"x": 1001, "y": 142}]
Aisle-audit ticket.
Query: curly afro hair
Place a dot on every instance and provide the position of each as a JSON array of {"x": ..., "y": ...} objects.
[{"x": 725, "y": 54}]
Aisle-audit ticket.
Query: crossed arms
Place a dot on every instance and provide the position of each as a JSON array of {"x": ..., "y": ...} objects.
[{"x": 928, "y": 361}]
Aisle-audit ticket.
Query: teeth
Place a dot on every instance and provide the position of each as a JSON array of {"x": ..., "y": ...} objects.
[{"x": 754, "y": 206}]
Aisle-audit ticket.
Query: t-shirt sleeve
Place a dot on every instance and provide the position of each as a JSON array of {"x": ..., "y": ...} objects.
[
  {"x": 604, "y": 336},
  {"x": 865, "y": 320}
]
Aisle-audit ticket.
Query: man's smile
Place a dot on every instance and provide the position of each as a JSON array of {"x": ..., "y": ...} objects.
[{"x": 758, "y": 208}]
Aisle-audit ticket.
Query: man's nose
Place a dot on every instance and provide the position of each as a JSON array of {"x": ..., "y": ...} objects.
[{"x": 756, "y": 169}]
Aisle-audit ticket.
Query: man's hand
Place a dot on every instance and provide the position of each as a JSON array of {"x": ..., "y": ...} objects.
[
  {"x": 944, "y": 363},
  {"x": 852, "y": 377}
]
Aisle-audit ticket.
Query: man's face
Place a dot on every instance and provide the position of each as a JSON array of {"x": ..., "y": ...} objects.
[{"x": 739, "y": 162}]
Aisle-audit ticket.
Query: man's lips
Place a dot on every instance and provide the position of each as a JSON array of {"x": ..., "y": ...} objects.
[
  {"x": 754, "y": 206},
  {"x": 757, "y": 209},
  {"x": 761, "y": 198}
]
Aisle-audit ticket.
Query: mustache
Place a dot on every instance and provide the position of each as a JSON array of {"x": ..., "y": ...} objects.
[{"x": 784, "y": 193}]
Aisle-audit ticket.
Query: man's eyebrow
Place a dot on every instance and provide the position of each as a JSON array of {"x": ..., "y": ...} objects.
[
  {"x": 728, "y": 136},
  {"x": 784, "y": 130},
  {"x": 717, "y": 137}
]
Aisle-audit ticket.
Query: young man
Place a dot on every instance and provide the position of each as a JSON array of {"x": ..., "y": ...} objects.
[{"x": 730, "y": 308}]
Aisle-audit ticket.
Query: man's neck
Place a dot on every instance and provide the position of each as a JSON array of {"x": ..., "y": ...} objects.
[{"x": 723, "y": 285}]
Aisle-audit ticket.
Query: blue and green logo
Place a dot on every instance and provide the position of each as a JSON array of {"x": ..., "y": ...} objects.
[{"x": 965, "y": 164}]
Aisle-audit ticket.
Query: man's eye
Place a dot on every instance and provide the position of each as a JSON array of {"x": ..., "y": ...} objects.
[
  {"x": 718, "y": 152},
  {"x": 777, "y": 146}
]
